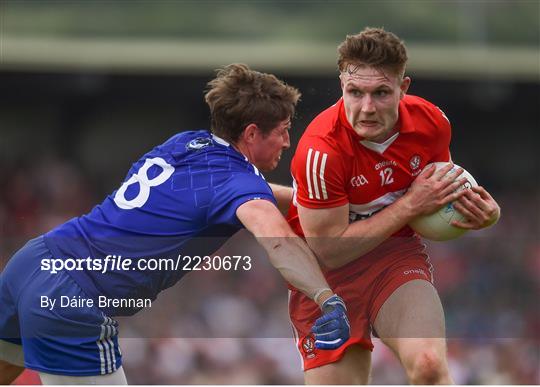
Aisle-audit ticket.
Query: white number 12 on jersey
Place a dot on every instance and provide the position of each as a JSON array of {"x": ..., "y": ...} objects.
[{"x": 386, "y": 176}]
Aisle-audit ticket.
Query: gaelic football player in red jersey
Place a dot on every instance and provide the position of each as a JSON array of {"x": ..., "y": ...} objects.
[{"x": 359, "y": 179}]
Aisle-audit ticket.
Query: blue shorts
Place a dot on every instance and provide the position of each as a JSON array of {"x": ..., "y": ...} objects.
[{"x": 68, "y": 340}]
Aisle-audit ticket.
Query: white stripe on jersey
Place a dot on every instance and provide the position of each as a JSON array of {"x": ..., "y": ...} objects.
[
  {"x": 308, "y": 161},
  {"x": 376, "y": 205},
  {"x": 315, "y": 185},
  {"x": 323, "y": 184},
  {"x": 315, "y": 174}
]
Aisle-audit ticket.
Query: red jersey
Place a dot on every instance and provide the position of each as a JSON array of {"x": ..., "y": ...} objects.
[{"x": 334, "y": 166}]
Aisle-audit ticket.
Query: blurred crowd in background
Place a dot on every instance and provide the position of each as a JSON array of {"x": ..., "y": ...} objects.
[
  {"x": 231, "y": 328},
  {"x": 90, "y": 86}
]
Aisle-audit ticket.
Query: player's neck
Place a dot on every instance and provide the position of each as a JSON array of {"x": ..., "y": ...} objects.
[{"x": 241, "y": 147}]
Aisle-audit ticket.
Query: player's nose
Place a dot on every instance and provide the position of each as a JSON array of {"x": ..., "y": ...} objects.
[
  {"x": 367, "y": 105},
  {"x": 286, "y": 140}
]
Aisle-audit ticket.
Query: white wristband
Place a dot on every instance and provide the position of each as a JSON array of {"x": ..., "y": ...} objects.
[{"x": 319, "y": 292}]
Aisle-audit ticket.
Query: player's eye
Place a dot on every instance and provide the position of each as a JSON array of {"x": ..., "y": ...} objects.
[
  {"x": 355, "y": 93},
  {"x": 382, "y": 93}
]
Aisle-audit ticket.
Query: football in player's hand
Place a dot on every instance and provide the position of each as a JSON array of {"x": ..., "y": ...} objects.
[{"x": 437, "y": 226}]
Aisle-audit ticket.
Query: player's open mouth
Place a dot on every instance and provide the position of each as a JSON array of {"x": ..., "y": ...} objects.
[{"x": 369, "y": 123}]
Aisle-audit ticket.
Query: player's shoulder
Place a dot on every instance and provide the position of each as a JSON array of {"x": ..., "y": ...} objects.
[
  {"x": 325, "y": 132},
  {"x": 325, "y": 122},
  {"x": 419, "y": 105},
  {"x": 186, "y": 141},
  {"x": 425, "y": 114},
  {"x": 198, "y": 145}
]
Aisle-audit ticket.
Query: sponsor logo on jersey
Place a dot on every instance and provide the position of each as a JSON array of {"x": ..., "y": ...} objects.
[
  {"x": 414, "y": 162},
  {"x": 308, "y": 344},
  {"x": 358, "y": 181},
  {"x": 385, "y": 163},
  {"x": 415, "y": 271},
  {"x": 198, "y": 143},
  {"x": 315, "y": 168}
]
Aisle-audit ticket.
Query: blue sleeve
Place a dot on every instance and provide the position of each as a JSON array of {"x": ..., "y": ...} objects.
[{"x": 238, "y": 189}]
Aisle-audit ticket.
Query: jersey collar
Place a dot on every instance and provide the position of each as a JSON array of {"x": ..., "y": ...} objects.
[{"x": 219, "y": 140}]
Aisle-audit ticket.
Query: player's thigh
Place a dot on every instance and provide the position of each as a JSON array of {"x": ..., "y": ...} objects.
[
  {"x": 348, "y": 364},
  {"x": 116, "y": 378},
  {"x": 413, "y": 310},
  {"x": 66, "y": 340},
  {"x": 353, "y": 368},
  {"x": 412, "y": 321}
]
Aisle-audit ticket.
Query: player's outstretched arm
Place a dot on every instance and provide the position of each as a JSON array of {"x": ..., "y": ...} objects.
[
  {"x": 287, "y": 252},
  {"x": 295, "y": 261},
  {"x": 336, "y": 242},
  {"x": 283, "y": 195}
]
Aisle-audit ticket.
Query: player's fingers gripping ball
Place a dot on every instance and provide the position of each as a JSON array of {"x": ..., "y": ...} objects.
[
  {"x": 438, "y": 226},
  {"x": 332, "y": 329}
]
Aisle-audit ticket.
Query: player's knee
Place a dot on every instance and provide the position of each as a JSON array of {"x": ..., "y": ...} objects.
[{"x": 428, "y": 367}]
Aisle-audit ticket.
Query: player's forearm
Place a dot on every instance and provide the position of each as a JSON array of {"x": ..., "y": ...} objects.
[
  {"x": 283, "y": 195},
  {"x": 361, "y": 237},
  {"x": 288, "y": 253},
  {"x": 297, "y": 264}
]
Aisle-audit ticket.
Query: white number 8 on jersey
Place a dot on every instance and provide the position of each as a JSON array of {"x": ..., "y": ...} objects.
[{"x": 141, "y": 177}]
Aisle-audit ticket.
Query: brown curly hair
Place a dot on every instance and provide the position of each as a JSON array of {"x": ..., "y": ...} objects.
[
  {"x": 239, "y": 96},
  {"x": 373, "y": 47}
]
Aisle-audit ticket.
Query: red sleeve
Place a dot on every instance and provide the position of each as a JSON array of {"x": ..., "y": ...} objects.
[
  {"x": 444, "y": 135},
  {"x": 319, "y": 174}
]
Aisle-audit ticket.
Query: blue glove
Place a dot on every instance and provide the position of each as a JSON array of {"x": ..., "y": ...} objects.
[{"x": 332, "y": 329}]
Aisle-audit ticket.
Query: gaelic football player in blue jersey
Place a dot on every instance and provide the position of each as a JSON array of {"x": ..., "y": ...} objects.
[{"x": 197, "y": 184}]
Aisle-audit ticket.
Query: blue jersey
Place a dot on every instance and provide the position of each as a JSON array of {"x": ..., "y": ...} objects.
[{"x": 178, "y": 199}]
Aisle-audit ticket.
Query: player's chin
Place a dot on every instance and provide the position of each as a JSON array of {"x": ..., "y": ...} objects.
[
  {"x": 274, "y": 165},
  {"x": 268, "y": 167},
  {"x": 371, "y": 133}
]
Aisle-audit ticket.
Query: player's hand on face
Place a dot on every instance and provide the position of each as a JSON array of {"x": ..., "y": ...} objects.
[
  {"x": 478, "y": 207},
  {"x": 432, "y": 189},
  {"x": 332, "y": 329}
]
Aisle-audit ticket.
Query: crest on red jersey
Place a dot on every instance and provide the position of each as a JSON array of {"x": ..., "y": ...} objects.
[
  {"x": 308, "y": 344},
  {"x": 414, "y": 162}
]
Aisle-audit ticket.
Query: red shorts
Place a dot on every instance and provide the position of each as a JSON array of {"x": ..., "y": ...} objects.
[{"x": 365, "y": 284}]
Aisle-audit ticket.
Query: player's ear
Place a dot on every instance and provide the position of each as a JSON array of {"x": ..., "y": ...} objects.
[
  {"x": 250, "y": 132},
  {"x": 405, "y": 83},
  {"x": 341, "y": 83}
]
